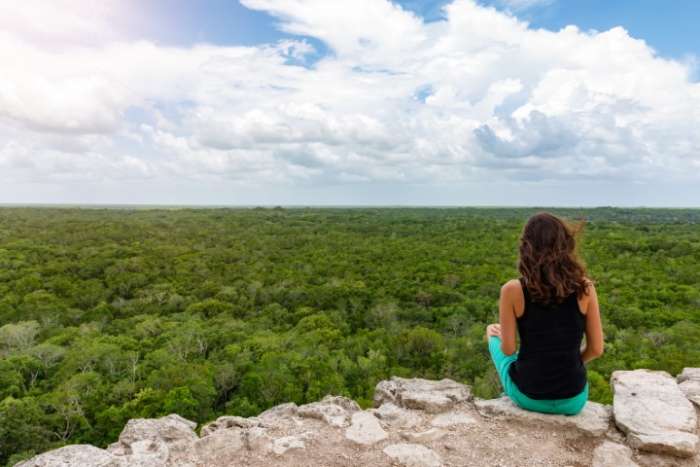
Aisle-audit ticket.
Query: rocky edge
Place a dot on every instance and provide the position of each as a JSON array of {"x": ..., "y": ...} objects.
[{"x": 653, "y": 421}]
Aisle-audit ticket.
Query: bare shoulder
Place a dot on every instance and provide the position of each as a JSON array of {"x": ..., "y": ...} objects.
[
  {"x": 585, "y": 299},
  {"x": 511, "y": 288},
  {"x": 512, "y": 295}
]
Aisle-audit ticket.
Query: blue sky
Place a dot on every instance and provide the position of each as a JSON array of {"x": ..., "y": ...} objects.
[
  {"x": 669, "y": 27},
  {"x": 415, "y": 102}
]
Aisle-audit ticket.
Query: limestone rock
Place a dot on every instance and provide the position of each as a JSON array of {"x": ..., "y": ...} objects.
[
  {"x": 365, "y": 429},
  {"x": 652, "y": 459},
  {"x": 155, "y": 442},
  {"x": 593, "y": 420},
  {"x": 227, "y": 422},
  {"x": 277, "y": 412},
  {"x": 286, "y": 443},
  {"x": 77, "y": 455},
  {"x": 168, "y": 429},
  {"x": 348, "y": 404},
  {"x": 413, "y": 455},
  {"x": 257, "y": 439},
  {"x": 689, "y": 374},
  {"x": 427, "y": 436},
  {"x": 453, "y": 418},
  {"x": 422, "y": 394},
  {"x": 689, "y": 382},
  {"x": 413, "y": 416},
  {"x": 610, "y": 454},
  {"x": 656, "y": 416},
  {"x": 396, "y": 416},
  {"x": 334, "y": 410},
  {"x": 221, "y": 444}
]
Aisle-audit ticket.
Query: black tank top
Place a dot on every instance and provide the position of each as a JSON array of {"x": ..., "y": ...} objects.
[{"x": 549, "y": 364}]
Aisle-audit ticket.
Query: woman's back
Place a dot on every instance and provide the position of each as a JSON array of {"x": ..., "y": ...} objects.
[{"x": 549, "y": 364}]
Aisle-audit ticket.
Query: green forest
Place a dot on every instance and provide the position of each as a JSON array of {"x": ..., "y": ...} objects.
[{"x": 112, "y": 314}]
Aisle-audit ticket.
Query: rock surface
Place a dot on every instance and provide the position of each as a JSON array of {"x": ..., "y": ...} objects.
[
  {"x": 154, "y": 441},
  {"x": 610, "y": 454},
  {"x": 413, "y": 455},
  {"x": 287, "y": 410},
  {"x": 415, "y": 423},
  {"x": 168, "y": 429},
  {"x": 689, "y": 383},
  {"x": 284, "y": 444},
  {"x": 365, "y": 429},
  {"x": 594, "y": 419},
  {"x": 75, "y": 455},
  {"x": 452, "y": 418},
  {"x": 396, "y": 416},
  {"x": 656, "y": 416},
  {"x": 433, "y": 434},
  {"x": 334, "y": 410},
  {"x": 421, "y": 394},
  {"x": 227, "y": 422}
]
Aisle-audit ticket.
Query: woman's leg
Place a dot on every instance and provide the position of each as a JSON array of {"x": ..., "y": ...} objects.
[{"x": 502, "y": 362}]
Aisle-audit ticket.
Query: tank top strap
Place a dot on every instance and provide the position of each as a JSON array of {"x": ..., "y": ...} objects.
[{"x": 525, "y": 292}]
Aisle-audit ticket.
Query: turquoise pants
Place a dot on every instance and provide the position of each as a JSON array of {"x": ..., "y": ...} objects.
[{"x": 569, "y": 406}]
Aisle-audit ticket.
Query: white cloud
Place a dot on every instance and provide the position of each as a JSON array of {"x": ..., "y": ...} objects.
[
  {"x": 65, "y": 22},
  {"x": 476, "y": 97}
]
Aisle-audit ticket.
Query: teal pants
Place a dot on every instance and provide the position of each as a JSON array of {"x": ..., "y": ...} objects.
[{"x": 569, "y": 406}]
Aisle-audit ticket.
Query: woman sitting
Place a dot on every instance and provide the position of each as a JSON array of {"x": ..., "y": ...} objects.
[{"x": 552, "y": 305}]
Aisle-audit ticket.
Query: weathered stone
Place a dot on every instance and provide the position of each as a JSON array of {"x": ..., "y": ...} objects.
[
  {"x": 610, "y": 454},
  {"x": 453, "y": 418},
  {"x": 221, "y": 444},
  {"x": 226, "y": 422},
  {"x": 593, "y": 420},
  {"x": 365, "y": 429},
  {"x": 413, "y": 455},
  {"x": 653, "y": 412},
  {"x": 348, "y": 404},
  {"x": 154, "y": 442},
  {"x": 282, "y": 445},
  {"x": 334, "y": 410},
  {"x": 149, "y": 453},
  {"x": 257, "y": 439},
  {"x": 77, "y": 455},
  {"x": 440, "y": 408},
  {"x": 396, "y": 416},
  {"x": 168, "y": 429},
  {"x": 653, "y": 459},
  {"x": 689, "y": 374},
  {"x": 427, "y": 436},
  {"x": 689, "y": 383},
  {"x": 422, "y": 394},
  {"x": 280, "y": 411}
]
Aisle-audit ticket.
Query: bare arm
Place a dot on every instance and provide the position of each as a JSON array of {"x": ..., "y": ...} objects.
[
  {"x": 594, "y": 328},
  {"x": 506, "y": 316}
]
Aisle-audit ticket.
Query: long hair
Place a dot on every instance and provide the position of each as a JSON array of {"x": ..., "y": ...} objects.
[{"x": 548, "y": 259}]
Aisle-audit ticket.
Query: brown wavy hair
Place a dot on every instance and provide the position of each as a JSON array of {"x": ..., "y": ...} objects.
[{"x": 549, "y": 261}]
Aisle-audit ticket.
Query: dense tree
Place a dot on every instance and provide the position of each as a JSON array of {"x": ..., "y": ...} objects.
[{"x": 112, "y": 314}]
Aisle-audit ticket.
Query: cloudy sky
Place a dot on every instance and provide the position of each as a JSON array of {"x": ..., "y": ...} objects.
[{"x": 363, "y": 102}]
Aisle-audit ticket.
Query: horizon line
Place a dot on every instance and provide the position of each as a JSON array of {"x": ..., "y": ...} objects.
[{"x": 275, "y": 205}]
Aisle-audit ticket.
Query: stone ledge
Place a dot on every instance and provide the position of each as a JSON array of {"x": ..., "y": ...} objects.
[
  {"x": 418, "y": 423},
  {"x": 594, "y": 419}
]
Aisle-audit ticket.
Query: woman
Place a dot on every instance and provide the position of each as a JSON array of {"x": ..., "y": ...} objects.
[{"x": 552, "y": 305}]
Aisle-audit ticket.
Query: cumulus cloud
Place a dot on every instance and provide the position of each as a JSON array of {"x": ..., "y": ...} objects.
[{"x": 476, "y": 96}]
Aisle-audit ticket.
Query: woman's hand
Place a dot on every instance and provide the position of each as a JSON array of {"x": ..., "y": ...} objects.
[{"x": 493, "y": 330}]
